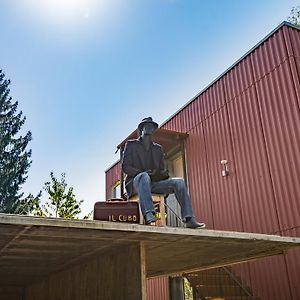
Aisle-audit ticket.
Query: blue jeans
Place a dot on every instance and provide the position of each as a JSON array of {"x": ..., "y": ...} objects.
[{"x": 144, "y": 187}]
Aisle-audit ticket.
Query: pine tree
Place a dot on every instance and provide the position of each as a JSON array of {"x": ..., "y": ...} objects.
[{"x": 14, "y": 158}]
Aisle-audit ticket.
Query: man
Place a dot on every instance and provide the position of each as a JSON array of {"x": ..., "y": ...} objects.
[{"x": 143, "y": 163}]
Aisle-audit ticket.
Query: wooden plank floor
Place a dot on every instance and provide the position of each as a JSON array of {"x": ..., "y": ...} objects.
[{"x": 32, "y": 247}]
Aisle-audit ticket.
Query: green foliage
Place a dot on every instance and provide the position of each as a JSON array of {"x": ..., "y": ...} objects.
[
  {"x": 30, "y": 205},
  {"x": 294, "y": 17},
  {"x": 14, "y": 158},
  {"x": 89, "y": 216},
  {"x": 188, "y": 292},
  {"x": 61, "y": 199}
]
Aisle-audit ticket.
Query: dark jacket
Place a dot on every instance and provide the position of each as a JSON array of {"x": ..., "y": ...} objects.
[{"x": 134, "y": 162}]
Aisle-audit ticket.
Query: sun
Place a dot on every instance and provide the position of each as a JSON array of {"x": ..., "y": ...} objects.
[
  {"x": 66, "y": 9},
  {"x": 63, "y": 11}
]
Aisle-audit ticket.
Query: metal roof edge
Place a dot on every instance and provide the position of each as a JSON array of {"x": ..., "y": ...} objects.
[{"x": 284, "y": 23}]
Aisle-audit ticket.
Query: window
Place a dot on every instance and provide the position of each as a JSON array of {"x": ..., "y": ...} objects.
[{"x": 116, "y": 190}]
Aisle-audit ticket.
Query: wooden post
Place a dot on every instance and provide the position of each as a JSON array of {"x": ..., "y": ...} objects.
[{"x": 143, "y": 271}]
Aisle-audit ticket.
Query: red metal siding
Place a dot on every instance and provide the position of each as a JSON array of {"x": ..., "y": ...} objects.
[
  {"x": 270, "y": 55},
  {"x": 158, "y": 288},
  {"x": 269, "y": 278},
  {"x": 293, "y": 257},
  {"x": 198, "y": 175},
  {"x": 281, "y": 125},
  {"x": 294, "y": 36},
  {"x": 214, "y": 142},
  {"x": 224, "y": 194},
  {"x": 250, "y": 116},
  {"x": 292, "y": 39},
  {"x": 250, "y": 157},
  {"x": 189, "y": 117},
  {"x": 212, "y": 99},
  {"x": 112, "y": 176},
  {"x": 293, "y": 264},
  {"x": 262, "y": 98},
  {"x": 242, "y": 271},
  {"x": 239, "y": 79}
]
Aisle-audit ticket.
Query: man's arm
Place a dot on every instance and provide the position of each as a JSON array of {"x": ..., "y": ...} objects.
[
  {"x": 161, "y": 173},
  {"x": 127, "y": 164},
  {"x": 163, "y": 170},
  {"x": 162, "y": 163}
]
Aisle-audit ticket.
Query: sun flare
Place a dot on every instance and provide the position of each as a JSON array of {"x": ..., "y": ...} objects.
[{"x": 64, "y": 11}]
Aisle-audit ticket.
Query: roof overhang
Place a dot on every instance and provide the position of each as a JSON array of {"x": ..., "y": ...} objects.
[
  {"x": 33, "y": 247},
  {"x": 167, "y": 138}
]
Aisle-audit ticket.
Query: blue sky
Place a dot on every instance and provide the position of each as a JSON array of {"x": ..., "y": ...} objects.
[{"x": 85, "y": 72}]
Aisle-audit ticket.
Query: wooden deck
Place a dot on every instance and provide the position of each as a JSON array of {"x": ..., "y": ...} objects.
[{"x": 33, "y": 249}]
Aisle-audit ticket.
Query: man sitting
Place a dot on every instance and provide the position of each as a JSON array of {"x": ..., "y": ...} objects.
[{"x": 143, "y": 163}]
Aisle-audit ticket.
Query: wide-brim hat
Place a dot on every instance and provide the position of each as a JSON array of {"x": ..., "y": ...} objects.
[{"x": 145, "y": 121}]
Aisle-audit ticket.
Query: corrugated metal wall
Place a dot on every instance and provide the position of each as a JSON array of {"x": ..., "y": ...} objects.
[
  {"x": 112, "y": 176},
  {"x": 250, "y": 157},
  {"x": 279, "y": 112},
  {"x": 251, "y": 117},
  {"x": 158, "y": 288},
  {"x": 292, "y": 38}
]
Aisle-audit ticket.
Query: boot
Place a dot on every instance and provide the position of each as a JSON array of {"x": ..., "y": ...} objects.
[
  {"x": 149, "y": 218},
  {"x": 192, "y": 223}
]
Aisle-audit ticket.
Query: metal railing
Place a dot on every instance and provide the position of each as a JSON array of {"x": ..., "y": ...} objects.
[{"x": 238, "y": 282}]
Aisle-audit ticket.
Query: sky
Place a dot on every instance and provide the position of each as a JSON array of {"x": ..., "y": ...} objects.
[{"x": 86, "y": 72}]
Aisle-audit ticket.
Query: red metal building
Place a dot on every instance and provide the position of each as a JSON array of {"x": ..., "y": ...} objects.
[{"x": 248, "y": 118}]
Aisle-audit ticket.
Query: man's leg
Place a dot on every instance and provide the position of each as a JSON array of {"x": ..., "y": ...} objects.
[
  {"x": 142, "y": 186},
  {"x": 178, "y": 187},
  {"x": 175, "y": 186}
]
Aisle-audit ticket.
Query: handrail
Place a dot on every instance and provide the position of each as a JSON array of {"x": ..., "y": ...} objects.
[
  {"x": 177, "y": 216},
  {"x": 233, "y": 277}
]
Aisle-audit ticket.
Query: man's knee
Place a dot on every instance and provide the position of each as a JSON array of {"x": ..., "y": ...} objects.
[
  {"x": 142, "y": 183},
  {"x": 143, "y": 177},
  {"x": 179, "y": 183}
]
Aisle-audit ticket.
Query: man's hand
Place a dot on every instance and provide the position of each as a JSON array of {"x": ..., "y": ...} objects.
[{"x": 164, "y": 173}]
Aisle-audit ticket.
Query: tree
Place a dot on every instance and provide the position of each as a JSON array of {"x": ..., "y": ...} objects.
[
  {"x": 30, "y": 206},
  {"x": 188, "y": 292},
  {"x": 62, "y": 202},
  {"x": 294, "y": 17},
  {"x": 14, "y": 156}
]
